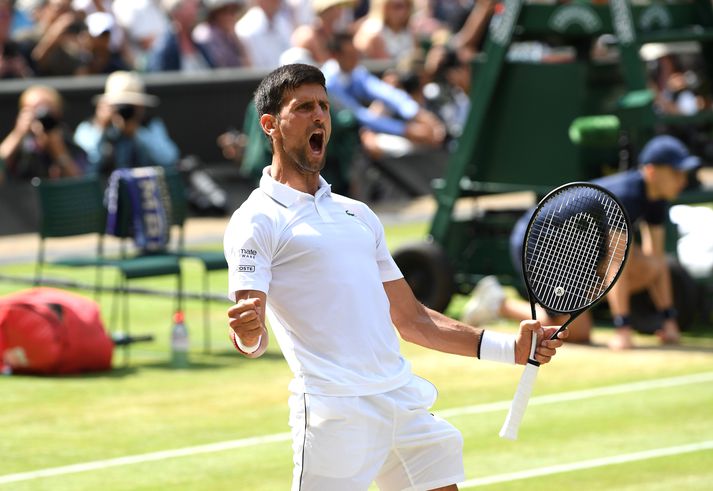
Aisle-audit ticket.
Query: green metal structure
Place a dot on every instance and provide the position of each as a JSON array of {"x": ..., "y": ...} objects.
[{"x": 518, "y": 136}]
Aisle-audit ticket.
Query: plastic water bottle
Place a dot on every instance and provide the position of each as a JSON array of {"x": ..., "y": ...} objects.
[{"x": 179, "y": 342}]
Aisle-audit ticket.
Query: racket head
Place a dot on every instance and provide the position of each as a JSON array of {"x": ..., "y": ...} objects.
[{"x": 575, "y": 247}]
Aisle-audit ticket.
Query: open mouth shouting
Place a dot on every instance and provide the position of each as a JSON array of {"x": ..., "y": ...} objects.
[{"x": 317, "y": 142}]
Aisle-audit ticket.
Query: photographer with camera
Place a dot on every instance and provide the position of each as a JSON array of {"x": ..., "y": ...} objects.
[
  {"x": 121, "y": 134},
  {"x": 39, "y": 144}
]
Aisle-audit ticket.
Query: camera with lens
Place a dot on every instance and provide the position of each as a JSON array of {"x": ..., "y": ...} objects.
[
  {"x": 47, "y": 119},
  {"x": 126, "y": 111}
]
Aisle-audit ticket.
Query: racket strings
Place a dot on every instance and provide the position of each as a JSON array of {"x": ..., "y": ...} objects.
[
  {"x": 565, "y": 272},
  {"x": 576, "y": 246},
  {"x": 568, "y": 265},
  {"x": 572, "y": 238}
]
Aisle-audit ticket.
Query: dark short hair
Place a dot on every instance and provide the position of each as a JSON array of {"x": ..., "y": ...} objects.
[{"x": 272, "y": 89}]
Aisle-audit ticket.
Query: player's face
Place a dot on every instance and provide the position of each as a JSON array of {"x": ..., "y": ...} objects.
[
  {"x": 670, "y": 182},
  {"x": 304, "y": 128}
]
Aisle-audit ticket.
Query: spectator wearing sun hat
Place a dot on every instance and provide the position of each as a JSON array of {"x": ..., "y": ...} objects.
[
  {"x": 216, "y": 35},
  {"x": 121, "y": 134}
]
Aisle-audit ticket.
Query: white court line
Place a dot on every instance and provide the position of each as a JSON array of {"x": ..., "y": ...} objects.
[
  {"x": 584, "y": 394},
  {"x": 281, "y": 437},
  {"x": 146, "y": 457},
  {"x": 588, "y": 464}
]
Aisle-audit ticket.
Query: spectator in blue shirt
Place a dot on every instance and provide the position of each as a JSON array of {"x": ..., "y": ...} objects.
[
  {"x": 351, "y": 86},
  {"x": 120, "y": 135}
]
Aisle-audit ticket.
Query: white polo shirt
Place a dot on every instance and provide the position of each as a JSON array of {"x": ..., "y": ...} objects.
[{"x": 321, "y": 260}]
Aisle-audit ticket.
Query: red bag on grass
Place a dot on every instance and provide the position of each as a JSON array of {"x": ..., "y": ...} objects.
[{"x": 47, "y": 331}]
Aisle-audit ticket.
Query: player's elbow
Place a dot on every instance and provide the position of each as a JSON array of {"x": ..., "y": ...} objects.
[{"x": 411, "y": 330}]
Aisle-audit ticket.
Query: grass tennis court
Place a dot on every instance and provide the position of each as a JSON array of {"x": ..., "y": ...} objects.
[{"x": 640, "y": 420}]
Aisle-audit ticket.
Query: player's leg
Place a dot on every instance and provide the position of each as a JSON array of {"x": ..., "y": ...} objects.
[
  {"x": 639, "y": 273},
  {"x": 338, "y": 442},
  {"x": 427, "y": 451}
]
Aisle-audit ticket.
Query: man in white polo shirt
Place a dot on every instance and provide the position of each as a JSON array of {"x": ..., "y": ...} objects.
[{"x": 316, "y": 264}]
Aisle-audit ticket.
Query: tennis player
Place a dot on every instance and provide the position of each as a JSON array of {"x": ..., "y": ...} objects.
[
  {"x": 316, "y": 264},
  {"x": 665, "y": 165}
]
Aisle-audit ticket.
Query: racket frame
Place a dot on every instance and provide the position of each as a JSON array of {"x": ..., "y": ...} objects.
[{"x": 531, "y": 295}]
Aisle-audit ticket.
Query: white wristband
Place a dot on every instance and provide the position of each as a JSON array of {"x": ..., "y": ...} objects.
[
  {"x": 497, "y": 346},
  {"x": 248, "y": 350}
]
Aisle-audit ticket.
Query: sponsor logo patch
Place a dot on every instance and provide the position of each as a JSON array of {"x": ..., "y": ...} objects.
[
  {"x": 248, "y": 253},
  {"x": 246, "y": 269}
]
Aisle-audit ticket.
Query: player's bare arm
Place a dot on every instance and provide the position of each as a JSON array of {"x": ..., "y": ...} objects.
[
  {"x": 247, "y": 320},
  {"x": 431, "y": 329}
]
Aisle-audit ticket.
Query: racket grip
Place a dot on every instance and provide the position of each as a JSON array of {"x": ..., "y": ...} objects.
[{"x": 519, "y": 402}]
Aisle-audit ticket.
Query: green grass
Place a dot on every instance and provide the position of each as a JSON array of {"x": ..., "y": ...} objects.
[{"x": 149, "y": 407}]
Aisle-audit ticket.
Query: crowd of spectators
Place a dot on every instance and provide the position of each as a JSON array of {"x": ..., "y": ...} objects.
[
  {"x": 426, "y": 44},
  {"x": 126, "y": 38},
  {"x": 75, "y": 37}
]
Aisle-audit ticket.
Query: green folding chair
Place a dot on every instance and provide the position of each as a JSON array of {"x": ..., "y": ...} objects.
[
  {"x": 210, "y": 260},
  {"x": 71, "y": 207},
  {"x": 133, "y": 265}
]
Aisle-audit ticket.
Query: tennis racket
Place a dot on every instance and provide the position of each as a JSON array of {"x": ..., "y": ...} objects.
[{"x": 574, "y": 250}]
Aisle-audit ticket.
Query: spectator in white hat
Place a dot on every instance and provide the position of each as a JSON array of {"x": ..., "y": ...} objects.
[
  {"x": 120, "y": 134},
  {"x": 104, "y": 59}
]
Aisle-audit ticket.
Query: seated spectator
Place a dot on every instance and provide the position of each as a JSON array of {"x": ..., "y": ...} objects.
[
  {"x": 385, "y": 34},
  {"x": 39, "y": 145},
  {"x": 12, "y": 64},
  {"x": 103, "y": 59},
  {"x": 351, "y": 86},
  {"x": 265, "y": 31},
  {"x": 216, "y": 35},
  {"x": 53, "y": 46},
  {"x": 121, "y": 134},
  {"x": 144, "y": 22},
  {"x": 330, "y": 16},
  {"x": 118, "y": 39},
  {"x": 176, "y": 50}
]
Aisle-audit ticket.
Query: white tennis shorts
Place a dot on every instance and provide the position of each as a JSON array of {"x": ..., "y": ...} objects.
[{"x": 346, "y": 443}]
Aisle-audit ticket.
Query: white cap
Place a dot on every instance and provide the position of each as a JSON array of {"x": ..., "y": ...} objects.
[{"x": 99, "y": 22}]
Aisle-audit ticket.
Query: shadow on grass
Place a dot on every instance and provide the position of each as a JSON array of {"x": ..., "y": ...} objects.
[{"x": 203, "y": 361}]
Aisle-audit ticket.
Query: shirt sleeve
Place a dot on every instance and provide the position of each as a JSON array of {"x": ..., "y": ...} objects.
[
  {"x": 155, "y": 141},
  {"x": 397, "y": 100},
  {"x": 248, "y": 250},
  {"x": 388, "y": 269},
  {"x": 366, "y": 117}
]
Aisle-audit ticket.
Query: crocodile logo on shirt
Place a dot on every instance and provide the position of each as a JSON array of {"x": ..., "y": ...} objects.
[{"x": 349, "y": 213}]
